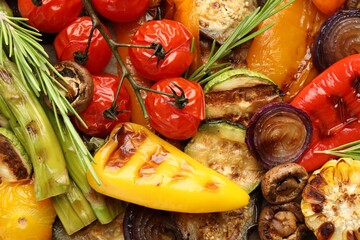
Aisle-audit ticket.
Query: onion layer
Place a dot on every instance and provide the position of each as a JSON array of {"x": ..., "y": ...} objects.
[
  {"x": 278, "y": 133},
  {"x": 338, "y": 37}
]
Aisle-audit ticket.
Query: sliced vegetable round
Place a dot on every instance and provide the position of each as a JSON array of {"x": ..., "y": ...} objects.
[
  {"x": 78, "y": 83},
  {"x": 282, "y": 222},
  {"x": 142, "y": 223},
  {"x": 284, "y": 183},
  {"x": 278, "y": 133},
  {"x": 338, "y": 37}
]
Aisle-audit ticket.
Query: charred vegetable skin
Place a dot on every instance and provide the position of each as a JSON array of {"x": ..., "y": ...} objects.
[
  {"x": 338, "y": 38},
  {"x": 137, "y": 166},
  {"x": 331, "y": 200},
  {"x": 331, "y": 100},
  {"x": 278, "y": 133}
]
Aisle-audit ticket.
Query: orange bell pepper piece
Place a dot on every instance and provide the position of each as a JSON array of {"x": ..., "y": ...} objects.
[
  {"x": 282, "y": 53},
  {"x": 328, "y": 7}
]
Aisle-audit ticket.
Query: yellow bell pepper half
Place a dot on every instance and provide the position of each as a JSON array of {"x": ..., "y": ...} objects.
[{"x": 137, "y": 166}]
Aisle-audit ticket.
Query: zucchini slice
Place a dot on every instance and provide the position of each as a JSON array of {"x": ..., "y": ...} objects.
[
  {"x": 15, "y": 164},
  {"x": 237, "y": 94},
  {"x": 229, "y": 154}
]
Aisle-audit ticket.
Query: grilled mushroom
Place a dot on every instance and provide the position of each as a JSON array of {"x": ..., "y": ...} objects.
[
  {"x": 284, "y": 183},
  {"x": 79, "y": 84},
  {"x": 284, "y": 221}
]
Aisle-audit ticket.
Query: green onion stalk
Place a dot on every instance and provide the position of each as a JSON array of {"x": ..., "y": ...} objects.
[
  {"x": 34, "y": 130},
  {"x": 105, "y": 208},
  {"x": 21, "y": 44}
]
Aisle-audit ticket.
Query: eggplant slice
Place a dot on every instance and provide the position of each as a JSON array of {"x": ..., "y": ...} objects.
[{"x": 218, "y": 18}]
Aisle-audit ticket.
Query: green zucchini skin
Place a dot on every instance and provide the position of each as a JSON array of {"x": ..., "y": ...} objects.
[{"x": 237, "y": 94}]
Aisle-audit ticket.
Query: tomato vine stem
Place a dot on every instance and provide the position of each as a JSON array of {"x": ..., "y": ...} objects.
[{"x": 124, "y": 71}]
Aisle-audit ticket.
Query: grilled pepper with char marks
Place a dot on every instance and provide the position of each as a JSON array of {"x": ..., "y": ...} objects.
[{"x": 136, "y": 166}]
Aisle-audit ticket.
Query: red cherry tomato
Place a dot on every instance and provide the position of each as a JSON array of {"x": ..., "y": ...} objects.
[
  {"x": 74, "y": 38},
  {"x": 105, "y": 87},
  {"x": 170, "y": 121},
  {"x": 52, "y": 16},
  {"x": 175, "y": 40},
  {"x": 121, "y": 10}
]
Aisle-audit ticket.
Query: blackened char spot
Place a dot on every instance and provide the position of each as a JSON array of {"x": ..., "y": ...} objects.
[{"x": 326, "y": 230}]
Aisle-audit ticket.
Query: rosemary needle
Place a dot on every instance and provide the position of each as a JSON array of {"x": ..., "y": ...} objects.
[{"x": 21, "y": 42}]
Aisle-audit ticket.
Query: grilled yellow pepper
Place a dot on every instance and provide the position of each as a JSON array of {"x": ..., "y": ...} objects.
[
  {"x": 136, "y": 166},
  {"x": 331, "y": 200}
]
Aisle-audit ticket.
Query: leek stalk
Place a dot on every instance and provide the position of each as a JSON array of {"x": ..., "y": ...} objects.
[
  {"x": 105, "y": 208},
  {"x": 33, "y": 129}
]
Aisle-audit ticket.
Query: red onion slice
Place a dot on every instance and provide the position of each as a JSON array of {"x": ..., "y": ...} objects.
[
  {"x": 338, "y": 37},
  {"x": 278, "y": 133}
]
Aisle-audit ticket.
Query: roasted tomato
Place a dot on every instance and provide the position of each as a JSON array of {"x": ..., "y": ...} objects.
[
  {"x": 105, "y": 88},
  {"x": 74, "y": 38},
  {"x": 121, "y": 10},
  {"x": 176, "y": 117},
  {"x": 171, "y": 54},
  {"x": 52, "y": 15}
]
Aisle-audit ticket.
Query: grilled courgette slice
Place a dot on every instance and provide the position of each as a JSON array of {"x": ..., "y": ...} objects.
[
  {"x": 237, "y": 94},
  {"x": 228, "y": 153},
  {"x": 15, "y": 164}
]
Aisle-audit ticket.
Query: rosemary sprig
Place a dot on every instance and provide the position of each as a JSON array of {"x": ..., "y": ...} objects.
[
  {"x": 348, "y": 150},
  {"x": 239, "y": 36},
  {"x": 22, "y": 45}
]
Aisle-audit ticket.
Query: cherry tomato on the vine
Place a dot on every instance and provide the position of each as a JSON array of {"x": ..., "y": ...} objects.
[
  {"x": 172, "y": 54},
  {"x": 167, "y": 118},
  {"x": 121, "y": 10},
  {"x": 105, "y": 87},
  {"x": 74, "y": 38},
  {"x": 52, "y": 16}
]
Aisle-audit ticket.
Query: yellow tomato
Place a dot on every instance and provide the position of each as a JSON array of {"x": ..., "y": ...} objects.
[{"x": 21, "y": 215}]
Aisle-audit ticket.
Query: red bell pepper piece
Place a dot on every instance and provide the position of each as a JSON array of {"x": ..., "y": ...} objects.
[{"x": 332, "y": 100}]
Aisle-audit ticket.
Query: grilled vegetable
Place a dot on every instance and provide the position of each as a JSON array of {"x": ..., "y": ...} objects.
[
  {"x": 228, "y": 153},
  {"x": 284, "y": 221},
  {"x": 14, "y": 161},
  {"x": 283, "y": 52},
  {"x": 33, "y": 129},
  {"x": 278, "y": 133},
  {"x": 218, "y": 19},
  {"x": 22, "y": 215},
  {"x": 332, "y": 103},
  {"x": 237, "y": 94},
  {"x": 73, "y": 209},
  {"x": 146, "y": 170},
  {"x": 78, "y": 83},
  {"x": 142, "y": 223},
  {"x": 283, "y": 183},
  {"x": 331, "y": 200},
  {"x": 226, "y": 225},
  {"x": 338, "y": 38}
]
